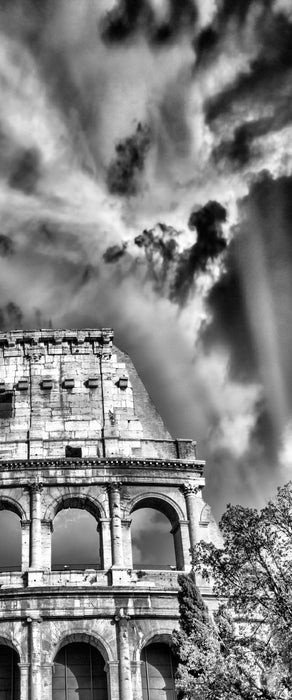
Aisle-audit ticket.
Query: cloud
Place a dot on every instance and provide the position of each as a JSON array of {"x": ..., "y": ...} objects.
[
  {"x": 172, "y": 268},
  {"x": 204, "y": 311},
  {"x": 11, "y": 316},
  {"x": 25, "y": 171},
  {"x": 6, "y": 246},
  {"x": 125, "y": 169},
  {"x": 229, "y": 325},
  {"x": 256, "y": 103},
  {"x": 129, "y": 18},
  {"x": 209, "y": 245},
  {"x": 114, "y": 253}
]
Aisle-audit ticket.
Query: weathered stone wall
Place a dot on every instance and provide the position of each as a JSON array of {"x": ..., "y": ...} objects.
[{"x": 73, "y": 388}]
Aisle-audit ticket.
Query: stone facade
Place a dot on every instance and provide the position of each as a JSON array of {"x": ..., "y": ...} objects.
[{"x": 72, "y": 390}]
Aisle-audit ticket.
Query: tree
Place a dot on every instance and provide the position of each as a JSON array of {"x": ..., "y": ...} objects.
[
  {"x": 196, "y": 645},
  {"x": 252, "y": 631}
]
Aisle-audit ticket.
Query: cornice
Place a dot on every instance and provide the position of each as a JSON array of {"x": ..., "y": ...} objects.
[{"x": 101, "y": 463}]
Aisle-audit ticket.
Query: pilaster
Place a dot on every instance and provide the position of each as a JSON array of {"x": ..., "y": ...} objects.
[{"x": 125, "y": 671}]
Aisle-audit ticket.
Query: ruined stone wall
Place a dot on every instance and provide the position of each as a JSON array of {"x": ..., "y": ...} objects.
[{"x": 74, "y": 388}]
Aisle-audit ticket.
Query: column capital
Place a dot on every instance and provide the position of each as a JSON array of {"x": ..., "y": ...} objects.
[
  {"x": 191, "y": 488},
  {"x": 113, "y": 486},
  {"x": 122, "y": 615},
  {"x": 34, "y": 486},
  {"x": 35, "y": 617}
]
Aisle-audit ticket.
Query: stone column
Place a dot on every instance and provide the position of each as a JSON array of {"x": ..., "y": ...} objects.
[
  {"x": 25, "y": 537},
  {"x": 105, "y": 542},
  {"x": 46, "y": 680},
  {"x": 193, "y": 496},
  {"x": 127, "y": 543},
  {"x": 35, "y": 527},
  {"x": 125, "y": 676},
  {"x": 116, "y": 525},
  {"x": 24, "y": 680},
  {"x": 34, "y": 625},
  {"x": 47, "y": 529}
]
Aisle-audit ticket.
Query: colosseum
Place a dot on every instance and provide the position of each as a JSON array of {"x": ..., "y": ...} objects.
[{"x": 87, "y": 469}]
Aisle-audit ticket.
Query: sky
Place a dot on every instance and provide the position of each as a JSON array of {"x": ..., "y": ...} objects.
[{"x": 146, "y": 185}]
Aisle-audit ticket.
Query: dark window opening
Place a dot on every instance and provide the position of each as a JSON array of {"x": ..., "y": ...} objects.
[
  {"x": 73, "y": 451},
  {"x": 152, "y": 540},
  {"x": 75, "y": 541},
  {"x": 9, "y": 674},
  {"x": 10, "y": 542},
  {"x": 6, "y": 404},
  {"x": 78, "y": 673},
  {"x": 157, "y": 671}
]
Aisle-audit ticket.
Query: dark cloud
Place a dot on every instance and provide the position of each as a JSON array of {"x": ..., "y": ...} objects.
[
  {"x": 11, "y": 316},
  {"x": 207, "y": 41},
  {"x": 130, "y": 18},
  {"x": 172, "y": 271},
  {"x": 208, "y": 222},
  {"x": 268, "y": 73},
  {"x": 126, "y": 168},
  {"x": 238, "y": 150},
  {"x": 25, "y": 171},
  {"x": 239, "y": 9},
  {"x": 209, "y": 245},
  {"x": 257, "y": 102},
  {"x": 264, "y": 439},
  {"x": 250, "y": 304},
  {"x": 229, "y": 325},
  {"x": 6, "y": 246},
  {"x": 114, "y": 253}
]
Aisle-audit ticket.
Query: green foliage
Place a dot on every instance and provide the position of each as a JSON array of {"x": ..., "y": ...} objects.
[{"x": 245, "y": 652}]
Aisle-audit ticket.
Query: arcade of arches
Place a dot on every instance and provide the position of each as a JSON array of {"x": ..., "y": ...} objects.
[
  {"x": 76, "y": 540},
  {"x": 79, "y": 673}
]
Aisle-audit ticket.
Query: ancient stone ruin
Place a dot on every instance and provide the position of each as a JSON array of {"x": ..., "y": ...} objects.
[{"x": 79, "y": 436}]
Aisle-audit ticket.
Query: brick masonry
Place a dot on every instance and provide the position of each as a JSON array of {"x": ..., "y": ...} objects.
[{"x": 74, "y": 388}]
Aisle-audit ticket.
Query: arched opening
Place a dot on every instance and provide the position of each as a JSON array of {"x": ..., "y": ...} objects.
[
  {"x": 10, "y": 542},
  {"x": 9, "y": 674},
  {"x": 156, "y": 534},
  {"x": 152, "y": 540},
  {"x": 157, "y": 672},
  {"x": 79, "y": 674},
  {"x": 75, "y": 540}
]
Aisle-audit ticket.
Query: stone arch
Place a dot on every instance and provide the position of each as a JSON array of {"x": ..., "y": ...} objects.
[
  {"x": 12, "y": 643},
  {"x": 154, "y": 499},
  {"x": 80, "y": 636},
  {"x": 169, "y": 508},
  {"x": 158, "y": 665},
  {"x": 163, "y": 635},
  {"x": 75, "y": 499},
  {"x": 8, "y": 503},
  {"x": 11, "y": 557}
]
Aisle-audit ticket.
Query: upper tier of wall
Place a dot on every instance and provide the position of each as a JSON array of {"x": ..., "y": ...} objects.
[{"x": 74, "y": 388}]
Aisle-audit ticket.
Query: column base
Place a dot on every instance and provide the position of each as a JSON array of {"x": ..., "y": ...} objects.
[
  {"x": 34, "y": 577},
  {"x": 119, "y": 577}
]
